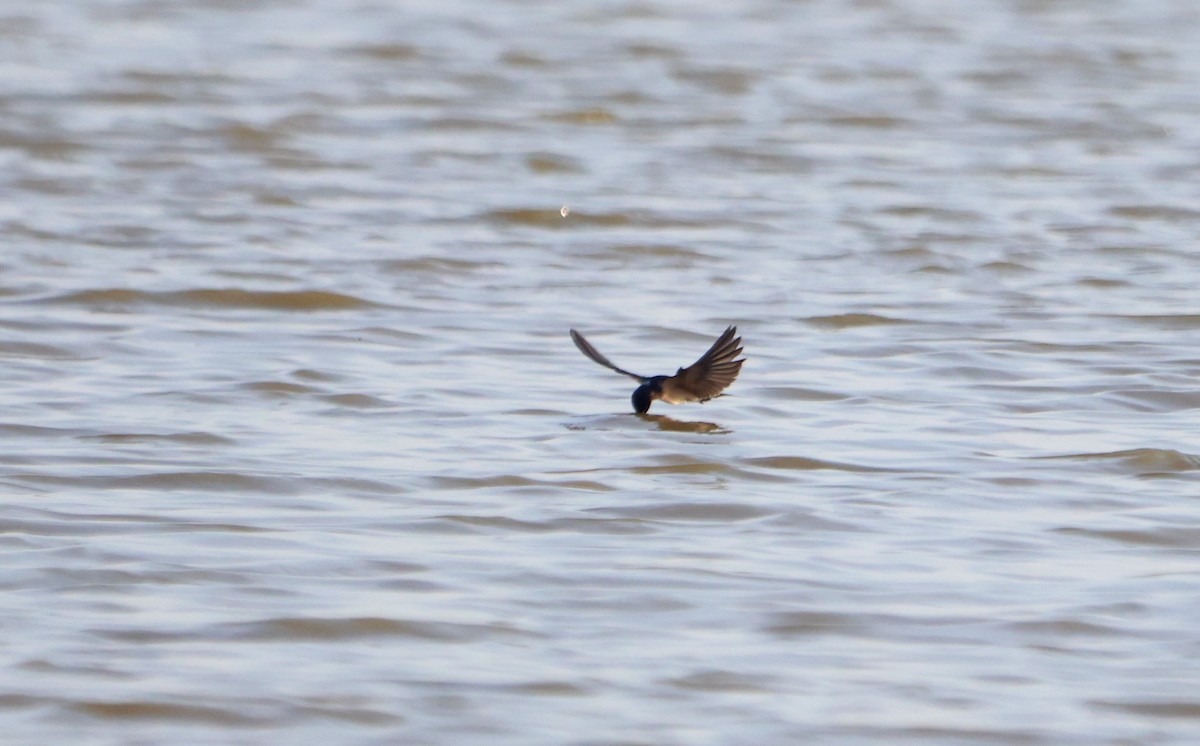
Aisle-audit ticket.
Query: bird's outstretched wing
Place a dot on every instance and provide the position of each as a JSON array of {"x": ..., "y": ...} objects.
[
  {"x": 586, "y": 348},
  {"x": 710, "y": 375}
]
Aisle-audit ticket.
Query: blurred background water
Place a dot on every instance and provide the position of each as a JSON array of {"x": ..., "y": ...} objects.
[{"x": 296, "y": 448}]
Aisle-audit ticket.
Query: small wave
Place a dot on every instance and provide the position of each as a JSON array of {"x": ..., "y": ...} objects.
[
  {"x": 1063, "y": 627},
  {"x": 931, "y": 211},
  {"x": 1005, "y": 267},
  {"x": 814, "y": 622},
  {"x": 547, "y": 689},
  {"x": 384, "y": 52},
  {"x": 197, "y": 438},
  {"x": 802, "y": 463},
  {"x": 801, "y": 394},
  {"x": 170, "y": 711},
  {"x": 851, "y": 320},
  {"x": 358, "y": 401},
  {"x": 1156, "y": 400},
  {"x": 513, "y": 480},
  {"x": 659, "y": 251},
  {"x": 817, "y": 622},
  {"x": 691, "y": 467},
  {"x": 17, "y": 430},
  {"x": 548, "y": 163},
  {"x": 185, "y": 480},
  {"x": 350, "y": 628},
  {"x": 1162, "y": 321},
  {"x": 35, "y": 350},
  {"x": 1188, "y": 709},
  {"x": 722, "y": 681},
  {"x": 869, "y": 122},
  {"x": 1155, "y": 212},
  {"x": 436, "y": 264},
  {"x": 32, "y": 523},
  {"x": 553, "y": 218},
  {"x": 693, "y": 511},
  {"x": 590, "y": 116},
  {"x": 1138, "y": 460},
  {"x": 500, "y": 522},
  {"x": 281, "y": 388},
  {"x": 1166, "y": 536},
  {"x": 282, "y": 300}
]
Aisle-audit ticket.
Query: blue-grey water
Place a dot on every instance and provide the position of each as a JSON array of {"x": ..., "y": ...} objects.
[{"x": 295, "y": 448}]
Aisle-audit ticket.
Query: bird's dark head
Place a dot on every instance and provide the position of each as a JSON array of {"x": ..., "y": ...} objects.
[
  {"x": 646, "y": 393},
  {"x": 642, "y": 399}
]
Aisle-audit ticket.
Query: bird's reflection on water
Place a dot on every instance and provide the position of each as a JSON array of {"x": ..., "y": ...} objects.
[
  {"x": 672, "y": 425},
  {"x": 658, "y": 421}
]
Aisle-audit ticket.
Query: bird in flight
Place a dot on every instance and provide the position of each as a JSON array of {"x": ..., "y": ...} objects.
[{"x": 700, "y": 381}]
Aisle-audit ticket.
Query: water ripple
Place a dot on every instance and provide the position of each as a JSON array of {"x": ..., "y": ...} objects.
[{"x": 300, "y": 300}]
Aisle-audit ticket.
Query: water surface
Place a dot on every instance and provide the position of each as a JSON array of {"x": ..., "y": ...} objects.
[{"x": 296, "y": 448}]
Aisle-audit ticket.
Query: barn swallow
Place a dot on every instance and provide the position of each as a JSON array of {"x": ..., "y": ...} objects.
[{"x": 700, "y": 381}]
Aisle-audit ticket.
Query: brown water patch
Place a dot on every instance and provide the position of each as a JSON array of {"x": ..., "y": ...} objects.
[
  {"x": 1175, "y": 538},
  {"x": 591, "y": 116},
  {"x": 385, "y": 52},
  {"x": 928, "y": 211},
  {"x": 15, "y": 430},
  {"x": 523, "y": 58},
  {"x": 802, "y": 463},
  {"x": 722, "y": 681},
  {"x": 613, "y": 526},
  {"x": 501, "y": 522},
  {"x": 692, "y": 467},
  {"x": 1155, "y": 400},
  {"x": 714, "y": 512},
  {"x": 617, "y": 526},
  {"x": 553, "y": 218},
  {"x": 214, "y": 481},
  {"x": 47, "y": 523},
  {"x": 931, "y": 735},
  {"x": 801, "y": 394},
  {"x": 1103, "y": 282},
  {"x": 300, "y": 300},
  {"x": 513, "y": 480},
  {"x": 355, "y": 715},
  {"x": 1165, "y": 213},
  {"x": 21, "y": 702},
  {"x": 876, "y": 122},
  {"x": 290, "y": 629},
  {"x": 278, "y": 387},
  {"x": 552, "y": 163},
  {"x": 1137, "y": 460},
  {"x": 162, "y": 711},
  {"x": 193, "y": 438},
  {"x": 889, "y": 626},
  {"x": 1006, "y": 268},
  {"x": 437, "y": 264},
  {"x": 1162, "y": 321},
  {"x": 1180, "y": 708},
  {"x": 670, "y": 251},
  {"x": 1067, "y": 627},
  {"x": 726, "y": 81},
  {"x": 308, "y": 374},
  {"x": 805, "y": 623},
  {"x": 852, "y": 320},
  {"x": 358, "y": 401},
  {"x": 35, "y": 350},
  {"x": 549, "y": 689}
]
